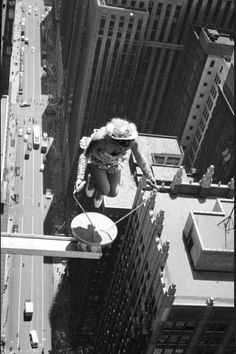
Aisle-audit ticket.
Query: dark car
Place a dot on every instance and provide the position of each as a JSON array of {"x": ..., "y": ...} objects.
[
  {"x": 29, "y": 146},
  {"x": 17, "y": 171},
  {"x": 16, "y": 198},
  {"x": 15, "y": 228}
]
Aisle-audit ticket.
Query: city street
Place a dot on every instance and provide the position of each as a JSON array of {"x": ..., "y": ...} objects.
[{"x": 32, "y": 278}]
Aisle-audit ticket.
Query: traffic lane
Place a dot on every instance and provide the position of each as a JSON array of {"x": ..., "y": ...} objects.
[
  {"x": 37, "y": 320},
  {"x": 13, "y": 303},
  {"x": 48, "y": 296},
  {"x": 26, "y": 286}
]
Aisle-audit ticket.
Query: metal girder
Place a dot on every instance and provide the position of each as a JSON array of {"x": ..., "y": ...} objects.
[{"x": 43, "y": 245}]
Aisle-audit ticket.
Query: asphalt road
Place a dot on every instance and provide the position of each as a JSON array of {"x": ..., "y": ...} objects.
[{"x": 28, "y": 277}]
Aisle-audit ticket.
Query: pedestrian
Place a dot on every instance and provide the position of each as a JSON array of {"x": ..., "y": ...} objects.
[{"x": 105, "y": 152}]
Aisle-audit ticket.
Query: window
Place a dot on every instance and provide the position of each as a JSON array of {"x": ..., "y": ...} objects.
[
  {"x": 187, "y": 137},
  {"x": 212, "y": 63},
  {"x": 184, "y": 339},
  {"x": 174, "y": 161},
  {"x": 201, "y": 95},
  {"x": 197, "y": 106},
  {"x": 163, "y": 339},
  {"x": 209, "y": 73},
  {"x": 194, "y": 117},
  {"x": 179, "y": 324},
  {"x": 189, "y": 240},
  {"x": 168, "y": 324},
  {"x": 158, "y": 159},
  {"x": 191, "y": 127},
  {"x": 205, "y": 83}
]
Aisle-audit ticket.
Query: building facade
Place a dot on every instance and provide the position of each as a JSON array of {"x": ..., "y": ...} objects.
[
  {"x": 206, "y": 63},
  {"x": 217, "y": 145},
  {"x": 172, "y": 290},
  {"x": 150, "y": 293},
  {"x": 120, "y": 58}
]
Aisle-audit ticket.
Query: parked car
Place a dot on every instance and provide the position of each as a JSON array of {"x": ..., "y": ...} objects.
[
  {"x": 28, "y": 130},
  {"x": 24, "y": 104},
  {"x": 48, "y": 193},
  {"x": 29, "y": 146},
  {"x": 41, "y": 167},
  {"x": 16, "y": 198},
  {"x": 26, "y": 138},
  {"x": 17, "y": 171}
]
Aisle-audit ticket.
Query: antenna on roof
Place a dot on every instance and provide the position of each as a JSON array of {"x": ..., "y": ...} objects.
[{"x": 228, "y": 224}]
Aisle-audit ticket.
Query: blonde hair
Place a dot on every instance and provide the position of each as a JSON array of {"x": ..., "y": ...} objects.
[{"x": 121, "y": 128}]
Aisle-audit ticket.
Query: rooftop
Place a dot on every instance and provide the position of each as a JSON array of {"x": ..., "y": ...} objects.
[{"x": 192, "y": 286}]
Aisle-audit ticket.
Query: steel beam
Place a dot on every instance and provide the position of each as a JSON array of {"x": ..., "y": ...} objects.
[{"x": 43, "y": 245}]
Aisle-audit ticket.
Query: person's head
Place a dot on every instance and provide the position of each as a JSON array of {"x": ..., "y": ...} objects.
[{"x": 121, "y": 131}]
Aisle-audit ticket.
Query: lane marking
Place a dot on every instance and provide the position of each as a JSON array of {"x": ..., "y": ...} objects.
[
  {"x": 42, "y": 300},
  {"x": 33, "y": 178},
  {"x": 19, "y": 298},
  {"x": 22, "y": 223},
  {"x": 23, "y": 191}
]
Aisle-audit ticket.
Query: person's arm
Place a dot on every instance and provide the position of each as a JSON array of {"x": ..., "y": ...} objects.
[
  {"x": 143, "y": 164},
  {"x": 94, "y": 144}
]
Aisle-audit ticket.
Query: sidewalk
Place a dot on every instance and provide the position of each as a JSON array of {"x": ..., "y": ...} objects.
[{"x": 11, "y": 147}]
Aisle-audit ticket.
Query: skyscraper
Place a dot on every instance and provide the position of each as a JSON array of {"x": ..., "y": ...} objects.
[
  {"x": 120, "y": 58},
  {"x": 172, "y": 290},
  {"x": 206, "y": 63},
  {"x": 217, "y": 146}
]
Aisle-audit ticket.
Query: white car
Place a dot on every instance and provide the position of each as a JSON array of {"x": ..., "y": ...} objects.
[
  {"x": 20, "y": 132},
  {"x": 41, "y": 167},
  {"x": 48, "y": 193},
  {"x": 45, "y": 136},
  {"x": 32, "y": 49},
  {"x": 28, "y": 130},
  {"x": 26, "y": 138}
]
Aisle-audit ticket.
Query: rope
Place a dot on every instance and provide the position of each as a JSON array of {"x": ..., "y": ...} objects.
[
  {"x": 145, "y": 200},
  {"x": 123, "y": 217},
  {"x": 82, "y": 207}
]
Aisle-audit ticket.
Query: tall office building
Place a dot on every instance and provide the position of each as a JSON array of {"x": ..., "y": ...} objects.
[
  {"x": 120, "y": 57},
  {"x": 172, "y": 290},
  {"x": 206, "y": 63},
  {"x": 217, "y": 144},
  {"x": 142, "y": 294}
]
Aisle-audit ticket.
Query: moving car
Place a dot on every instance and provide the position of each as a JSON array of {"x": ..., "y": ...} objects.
[
  {"x": 28, "y": 310},
  {"x": 29, "y": 146},
  {"x": 26, "y": 138},
  {"x": 28, "y": 130},
  {"x": 24, "y": 104},
  {"x": 41, "y": 167},
  {"x": 20, "y": 132},
  {"x": 34, "y": 342}
]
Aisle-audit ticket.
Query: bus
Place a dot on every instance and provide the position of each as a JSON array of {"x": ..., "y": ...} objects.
[{"x": 36, "y": 137}]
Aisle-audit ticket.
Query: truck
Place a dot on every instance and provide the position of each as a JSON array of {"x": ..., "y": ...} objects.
[
  {"x": 28, "y": 310},
  {"x": 36, "y": 137}
]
